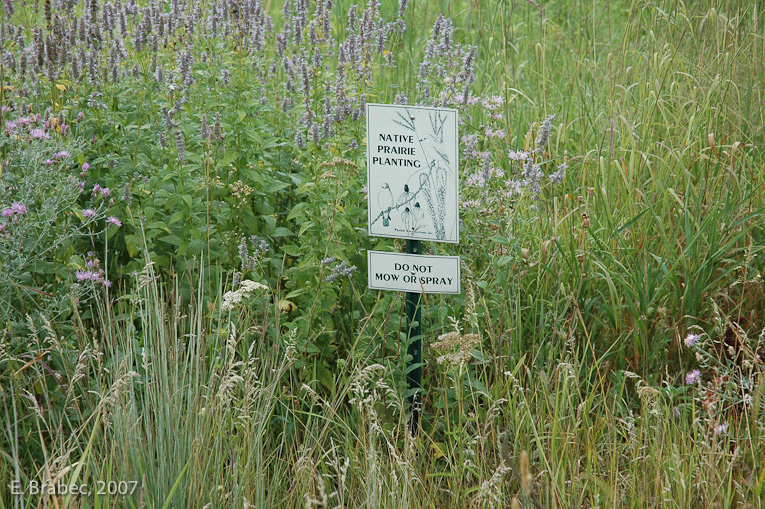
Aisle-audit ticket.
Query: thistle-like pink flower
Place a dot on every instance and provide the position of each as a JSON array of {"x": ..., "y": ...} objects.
[
  {"x": 83, "y": 275},
  {"x": 38, "y": 133},
  {"x": 693, "y": 377},
  {"x": 88, "y": 213},
  {"x": 19, "y": 208},
  {"x": 691, "y": 339},
  {"x": 113, "y": 220}
]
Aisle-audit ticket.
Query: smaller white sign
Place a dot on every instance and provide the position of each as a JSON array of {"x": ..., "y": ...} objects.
[{"x": 413, "y": 273}]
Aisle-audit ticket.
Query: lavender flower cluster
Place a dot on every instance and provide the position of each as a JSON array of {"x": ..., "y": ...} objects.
[
  {"x": 111, "y": 41},
  {"x": 250, "y": 258},
  {"x": 341, "y": 269},
  {"x": 447, "y": 66}
]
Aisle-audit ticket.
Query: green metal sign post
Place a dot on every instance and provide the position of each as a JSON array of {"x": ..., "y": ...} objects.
[{"x": 414, "y": 349}]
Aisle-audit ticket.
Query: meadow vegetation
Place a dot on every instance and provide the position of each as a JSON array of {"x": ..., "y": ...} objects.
[{"x": 183, "y": 255}]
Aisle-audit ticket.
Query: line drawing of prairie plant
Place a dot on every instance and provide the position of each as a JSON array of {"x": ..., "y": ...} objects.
[{"x": 421, "y": 208}]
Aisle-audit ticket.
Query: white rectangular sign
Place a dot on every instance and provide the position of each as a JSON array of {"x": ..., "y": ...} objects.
[
  {"x": 412, "y": 172},
  {"x": 413, "y": 273}
]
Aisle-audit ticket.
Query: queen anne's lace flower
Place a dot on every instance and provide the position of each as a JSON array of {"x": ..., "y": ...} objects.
[{"x": 233, "y": 298}]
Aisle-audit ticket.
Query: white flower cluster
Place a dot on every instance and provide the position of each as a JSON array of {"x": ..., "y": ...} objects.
[{"x": 246, "y": 288}]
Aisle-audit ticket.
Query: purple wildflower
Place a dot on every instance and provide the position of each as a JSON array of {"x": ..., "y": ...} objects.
[
  {"x": 721, "y": 429},
  {"x": 557, "y": 177},
  {"x": 83, "y": 275},
  {"x": 691, "y": 339},
  {"x": 341, "y": 269},
  {"x": 520, "y": 155},
  {"x": 113, "y": 220},
  {"x": 88, "y": 213},
  {"x": 693, "y": 377},
  {"x": 328, "y": 260},
  {"x": 19, "y": 208},
  {"x": 493, "y": 102}
]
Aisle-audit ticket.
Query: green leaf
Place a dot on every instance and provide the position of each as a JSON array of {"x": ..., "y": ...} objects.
[
  {"x": 281, "y": 231},
  {"x": 276, "y": 186},
  {"x": 195, "y": 247},
  {"x": 305, "y": 227},
  {"x": 172, "y": 240},
  {"x": 295, "y": 293},
  {"x": 325, "y": 378},
  {"x": 230, "y": 156},
  {"x": 270, "y": 223},
  {"x": 291, "y": 249},
  {"x": 175, "y": 218},
  {"x": 297, "y": 210},
  {"x": 133, "y": 245},
  {"x": 159, "y": 225}
]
